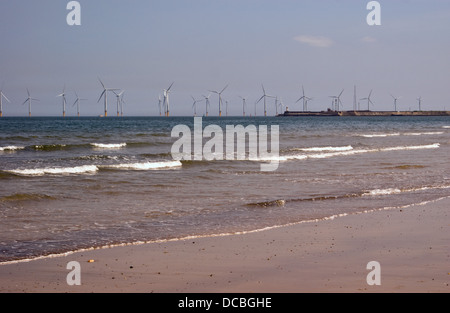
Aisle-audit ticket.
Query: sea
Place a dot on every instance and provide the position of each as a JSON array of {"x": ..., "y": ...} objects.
[{"x": 69, "y": 184}]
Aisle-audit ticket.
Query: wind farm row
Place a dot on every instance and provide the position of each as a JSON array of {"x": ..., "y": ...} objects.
[{"x": 165, "y": 109}]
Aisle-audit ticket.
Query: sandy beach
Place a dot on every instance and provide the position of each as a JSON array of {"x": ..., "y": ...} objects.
[{"x": 411, "y": 245}]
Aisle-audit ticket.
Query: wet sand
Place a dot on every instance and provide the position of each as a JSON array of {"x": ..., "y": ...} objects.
[{"x": 411, "y": 244}]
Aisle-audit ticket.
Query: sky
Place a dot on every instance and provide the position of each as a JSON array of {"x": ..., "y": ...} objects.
[{"x": 142, "y": 46}]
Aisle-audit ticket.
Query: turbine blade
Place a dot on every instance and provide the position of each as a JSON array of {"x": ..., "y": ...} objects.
[
  {"x": 103, "y": 85},
  {"x": 224, "y": 89},
  {"x": 101, "y": 96}
]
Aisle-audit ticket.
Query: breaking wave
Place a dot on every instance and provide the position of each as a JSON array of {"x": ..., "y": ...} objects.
[
  {"x": 108, "y": 146},
  {"x": 11, "y": 148}
]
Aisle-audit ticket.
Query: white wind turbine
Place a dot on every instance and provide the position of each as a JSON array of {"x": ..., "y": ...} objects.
[
  {"x": 166, "y": 93},
  {"x": 264, "y": 96},
  {"x": 122, "y": 102},
  {"x": 159, "y": 105},
  {"x": 305, "y": 100},
  {"x": 369, "y": 101},
  {"x": 2, "y": 95},
  {"x": 281, "y": 106},
  {"x": 194, "y": 105},
  {"x": 208, "y": 105},
  {"x": 220, "y": 98},
  {"x": 337, "y": 99},
  {"x": 63, "y": 95},
  {"x": 119, "y": 101},
  {"x": 244, "y": 104},
  {"x": 395, "y": 102},
  {"x": 77, "y": 102},
  {"x": 29, "y": 100},
  {"x": 420, "y": 103},
  {"x": 105, "y": 95}
]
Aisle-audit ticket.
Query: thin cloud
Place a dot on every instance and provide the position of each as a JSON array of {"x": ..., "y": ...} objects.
[{"x": 315, "y": 41}]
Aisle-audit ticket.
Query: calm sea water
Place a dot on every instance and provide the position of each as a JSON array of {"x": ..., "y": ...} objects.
[{"x": 73, "y": 183}]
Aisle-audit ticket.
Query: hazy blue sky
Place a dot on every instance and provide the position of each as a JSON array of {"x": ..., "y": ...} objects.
[{"x": 143, "y": 46}]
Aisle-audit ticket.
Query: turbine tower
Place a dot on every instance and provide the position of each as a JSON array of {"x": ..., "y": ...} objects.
[
  {"x": 264, "y": 96},
  {"x": 166, "y": 93},
  {"x": 63, "y": 95},
  {"x": 244, "y": 105},
  {"x": 105, "y": 95},
  {"x": 29, "y": 100},
  {"x": 2, "y": 95},
  {"x": 220, "y": 98},
  {"x": 77, "y": 102},
  {"x": 208, "y": 105},
  {"x": 337, "y": 99},
  {"x": 395, "y": 102},
  {"x": 369, "y": 101}
]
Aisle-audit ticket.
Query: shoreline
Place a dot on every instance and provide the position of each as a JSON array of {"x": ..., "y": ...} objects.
[{"x": 327, "y": 255}]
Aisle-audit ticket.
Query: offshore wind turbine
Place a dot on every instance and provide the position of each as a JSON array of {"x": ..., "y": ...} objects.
[
  {"x": 420, "y": 103},
  {"x": 29, "y": 100},
  {"x": 337, "y": 99},
  {"x": 194, "y": 105},
  {"x": 159, "y": 105},
  {"x": 220, "y": 98},
  {"x": 244, "y": 105},
  {"x": 369, "y": 101},
  {"x": 63, "y": 95},
  {"x": 264, "y": 96},
  {"x": 119, "y": 104},
  {"x": 395, "y": 102},
  {"x": 166, "y": 93},
  {"x": 281, "y": 105},
  {"x": 208, "y": 104},
  {"x": 305, "y": 100},
  {"x": 77, "y": 102},
  {"x": 105, "y": 95},
  {"x": 2, "y": 95},
  {"x": 122, "y": 102}
]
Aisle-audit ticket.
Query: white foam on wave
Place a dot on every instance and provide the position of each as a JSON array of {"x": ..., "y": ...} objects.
[
  {"x": 393, "y": 191},
  {"x": 144, "y": 165},
  {"x": 108, "y": 145},
  {"x": 380, "y": 135},
  {"x": 432, "y": 146},
  {"x": 382, "y": 192},
  {"x": 319, "y": 149},
  {"x": 425, "y": 133},
  {"x": 85, "y": 169},
  {"x": 446, "y": 127},
  {"x": 355, "y": 152},
  {"x": 11, "y": 148}
]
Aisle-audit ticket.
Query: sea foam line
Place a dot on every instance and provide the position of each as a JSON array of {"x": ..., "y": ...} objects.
[
  {"x": 55, "y": 170},
  {"x": 108, "y": 145},
  {"x": 354, "y": 152},
  {"x": 92, "y": 169},
  {"x": 144, "y": 165},
  {"x": 11, "y": 148},
  {"x": 319, "y": 149}
]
